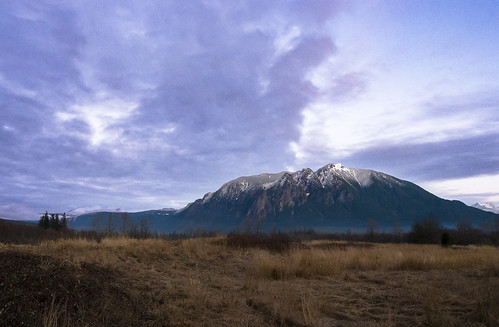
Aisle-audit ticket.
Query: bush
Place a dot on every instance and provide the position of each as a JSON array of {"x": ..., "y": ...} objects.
[
  {"x": 445, "y": 240},
  {"x": 427, "y": 231},
  {"x": 273, "y": 242}
]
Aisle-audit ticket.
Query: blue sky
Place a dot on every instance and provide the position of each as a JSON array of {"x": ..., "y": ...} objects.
[{"x": 151, "y": 104}]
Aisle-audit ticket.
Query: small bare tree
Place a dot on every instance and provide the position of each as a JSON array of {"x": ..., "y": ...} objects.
[
  {"x": 372, "y": 226},
  {"x": 144, "y": 228},
  {"x": 125, "y": 222},
  {"x": 397, "y": 231},
  {"x": 110, "y": 227},
  {"x": 96, "y": 222}
]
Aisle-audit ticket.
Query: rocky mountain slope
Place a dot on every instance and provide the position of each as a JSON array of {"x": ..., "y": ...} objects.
[{"x": 332, "y": 198}]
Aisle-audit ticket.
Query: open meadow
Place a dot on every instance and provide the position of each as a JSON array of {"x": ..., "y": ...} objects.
[{"x": 244, "y": 281}]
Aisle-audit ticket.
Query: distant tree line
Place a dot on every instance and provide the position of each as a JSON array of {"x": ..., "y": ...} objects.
[
  {"x": 120, "y": 224},
  {"x": 430, "y": 231},
  {"x": 425, "y": 231},
  {"x": 53, "y": 221}
]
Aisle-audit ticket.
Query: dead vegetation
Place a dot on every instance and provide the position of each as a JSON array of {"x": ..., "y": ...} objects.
[
  {"x": 221, "y": 281},
  {"x": 45, "y": 291}
]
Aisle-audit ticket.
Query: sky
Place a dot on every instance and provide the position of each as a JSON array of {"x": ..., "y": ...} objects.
[{"x": 150, "y": 104}]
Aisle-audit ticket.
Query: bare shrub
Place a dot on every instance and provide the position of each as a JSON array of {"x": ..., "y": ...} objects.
[{"x": 274, "y": 242}]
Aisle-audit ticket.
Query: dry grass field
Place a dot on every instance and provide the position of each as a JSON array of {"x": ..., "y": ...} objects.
[{"x": 218, "y": 282}]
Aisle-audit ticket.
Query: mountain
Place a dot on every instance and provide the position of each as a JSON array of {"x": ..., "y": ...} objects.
[
  {"x": 487, "y": 207},
  {"x": 73, "y": 213},
  {"x": 332, "y": 198}
]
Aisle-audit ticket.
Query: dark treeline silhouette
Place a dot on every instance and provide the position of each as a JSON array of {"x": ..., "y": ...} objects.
[
  {"x": 115, "y": 224},
  {"x": 53, "y": 221},
  {"x": 22, "y": 233},
  {"x": 17, "y": 232},
  {"x": 425, "y": 231},
  {"x": 430, "y": 231}
]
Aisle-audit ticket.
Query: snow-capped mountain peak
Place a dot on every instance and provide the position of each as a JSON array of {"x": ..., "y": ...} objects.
[
  {"x": 353, "y": 176},
  {"x": 325, "y": 177},
  {"x": 331, "y": 197},
  {"x": 244, "y": 184}
]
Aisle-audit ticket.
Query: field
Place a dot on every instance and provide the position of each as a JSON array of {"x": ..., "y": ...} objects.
[{"x": 239, "y": 281}]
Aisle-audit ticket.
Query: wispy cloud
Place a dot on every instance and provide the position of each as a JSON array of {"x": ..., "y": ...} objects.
[{"x": 471, "y": 189}]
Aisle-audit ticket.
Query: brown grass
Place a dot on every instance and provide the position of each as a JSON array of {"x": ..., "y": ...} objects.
[
  {"x": 320, "y": 260},
  {"x": 211, "y": 282}
]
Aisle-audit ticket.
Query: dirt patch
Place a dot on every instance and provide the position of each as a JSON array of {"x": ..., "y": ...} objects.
[{"x": 41, "y": 291}]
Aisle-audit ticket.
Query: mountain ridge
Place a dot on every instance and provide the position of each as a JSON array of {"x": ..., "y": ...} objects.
[{"x": 333, "y": 197}]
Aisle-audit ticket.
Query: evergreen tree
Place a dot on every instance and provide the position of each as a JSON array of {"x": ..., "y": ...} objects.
[
  {"x": 52, "y": 221},
  {"x": 64, "y": 221},
  {"x": 57, "y": 222},
  {"x": 44, "y": 220}
]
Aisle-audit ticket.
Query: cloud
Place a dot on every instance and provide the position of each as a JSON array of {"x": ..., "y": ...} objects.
[
  {"x": 40, "y": 44},
  {"x": 109, "y": 101},
  {"x": 451, "y": 159},
  {"x": 244, "y": 91},
  {"x": 17, "y": 211},
  {"x": 100, "y": 115},
  {"x": 343, "y": 128},
  {"x": 470, "y": 189}
]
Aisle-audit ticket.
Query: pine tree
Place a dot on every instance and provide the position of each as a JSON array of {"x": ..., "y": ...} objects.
[
  {"x": 64, "y": 222},
  {"x": 52, "y": 221},
  {"x": 44, "y": 221},
  {"x": 57, "y": 222}
]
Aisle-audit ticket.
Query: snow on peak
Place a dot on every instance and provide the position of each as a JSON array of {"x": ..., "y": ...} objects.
[
  {"x": 361, "y": 177},
  {"x": 242, "y": 184},
  {"x": 335, "y": 166},
  {"x": 208, "y": 196}
]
